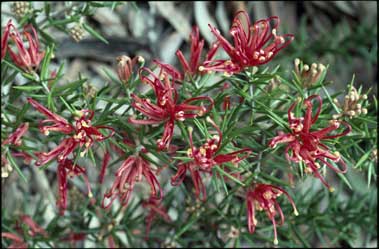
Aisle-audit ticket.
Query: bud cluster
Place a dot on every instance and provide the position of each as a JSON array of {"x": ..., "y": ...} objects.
[
  {"x": 21, "y": 8},
  {"x": 77, "y": 33},
  {"x": 352, "y": 105},
  {"x": 308, "y": 76}
]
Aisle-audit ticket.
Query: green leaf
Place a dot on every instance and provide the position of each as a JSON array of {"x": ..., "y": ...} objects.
[
  {"x": 94, "y": 33},
  {"x": 15, "y": 166},
  {"x": 28, "y": 88}
]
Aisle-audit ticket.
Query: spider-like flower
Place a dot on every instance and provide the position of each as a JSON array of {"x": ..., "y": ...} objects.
[
  {"x": 27, "y": 58},
  {"x": 67, "y": 168},
  {"x": 191, "y": 67},
  {"x": 204, "y": 159},
  {"x": 263, "y": 198},
  {"x": 15, "y": 137},
  {"x": 82, "y": 133},
  {"x": 33, "y": 230},
  {"x": 129, "y": 173},
  {"x": 254, "y": 45},
  {"x": 5, "y": 37},
  {"x": 156, "y": 208},
  {"x": 307, "y": 145},
  {"x": 166, "y": 110}
]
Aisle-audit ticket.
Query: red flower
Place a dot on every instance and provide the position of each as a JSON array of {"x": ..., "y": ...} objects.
[
  {"x": 18, "y": 242},
  {"x": 72, "y": 238},
  {"x": 170, "y": 70},
  {"x": 26, "y": 58},
  {"x": 83, "y": 133},
  {"x": 107, "y": 157},
  {"x": 306, "y": 145},
  {"x": 34, "y": 229},
  {"x": 263, "y": 197},
  {"x": 166, "y": 110},
  {"x": 155, "y": 207},
  {"x": 15, "y": 137},
  {"x": 129, "y": 173},
  {"x": 67, "y": 168},
  {"x": 192, "y": 67},
  {"x": 204, "y": 159},
  {"x": 252, "y": 46},
  {"x": 4, "y": 38}
]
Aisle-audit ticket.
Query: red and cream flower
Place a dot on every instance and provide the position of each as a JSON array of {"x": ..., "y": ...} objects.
[
  {"x": 33, "y": 230},
  {"x": 254, "y": 45},
  {"x": 66, "y": 168},
  {"x": 27, "y": 57},
  {"x": 204, "y": 159},
  {"x": 166, "y": 110},
  {"x": 155, "y": 208},
  {"x": 83, "y": 133},
  {"x": 15, "y": 137},
  {"x": 306, "y": 145},
  {"x": 191, "y": 67},
  {"x": 263, "y": 198},
  {"x": 130, "y": 172}
]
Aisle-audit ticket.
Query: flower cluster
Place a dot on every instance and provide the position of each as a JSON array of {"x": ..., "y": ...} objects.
[
  {"x": 33, "y": 230},
  {"x": 67, "y": 168},
  {"x": 204, "y": 159},
  {"x": 27, "y": 58},
  {"x": 167, "y": 110},
  {"x": 263, "y": 198},
  {"x": 129, "y": 173},
  {"x": 83, "y": 133},
  {"x": 254, "y": 45},
  {"x": 306, "y": 145}
]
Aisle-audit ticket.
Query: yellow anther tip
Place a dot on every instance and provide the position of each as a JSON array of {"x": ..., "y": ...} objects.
[
  {"x": 331, "y": 189},
  {"x": 276, "y": 242}
]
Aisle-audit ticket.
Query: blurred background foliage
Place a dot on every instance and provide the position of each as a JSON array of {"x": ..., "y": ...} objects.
[{"x": 342, "y": 34}]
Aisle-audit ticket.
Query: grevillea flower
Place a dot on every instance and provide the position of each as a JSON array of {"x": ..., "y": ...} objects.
[
  {"x": 17, "y": 241},
  {"x": 67, "y": 168},
  {"x": 204, "y": 159},
  {"x": 5, "y": 37},
  {"x": 34, "y": 229},
  {"x": 191, "y": 67},
  {"x": 254, "y": 45},
  {"x": 72, "y": 238},
  {"x": 167, "y": 69},
  {"x": 129, "y": 173},
  {"x": 15, "y": 137},
  {"x": 307, "y": 145},
  {"x": 82, "y": 133},
  {"x": 107, "y": 157},
  {"x": 263, "y": 198},
  {"x": 166, "y": 110},
  {"x": 28, "y": 58},
  {"x": 156, "y": 208}
]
